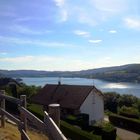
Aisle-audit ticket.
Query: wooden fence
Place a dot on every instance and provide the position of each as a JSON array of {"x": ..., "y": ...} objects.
[{"x": 48, "y": 126}]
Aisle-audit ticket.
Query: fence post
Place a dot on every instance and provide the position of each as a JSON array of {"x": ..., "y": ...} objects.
[
  {"x": 54, "y": 113},
  {"x": 3, "y": 107},
  {"x": 22, "y": 116}
]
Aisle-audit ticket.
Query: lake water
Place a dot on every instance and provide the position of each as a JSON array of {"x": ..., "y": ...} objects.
[{"x": 122, "y": 88}]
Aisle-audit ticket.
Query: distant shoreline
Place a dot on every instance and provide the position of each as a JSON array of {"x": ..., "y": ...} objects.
[
  {"x": 126, "y": 73},
  {"x": 117, "y": 81}
]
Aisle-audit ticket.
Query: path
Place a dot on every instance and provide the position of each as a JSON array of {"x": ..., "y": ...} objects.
[{"x": 124, "y": 134}]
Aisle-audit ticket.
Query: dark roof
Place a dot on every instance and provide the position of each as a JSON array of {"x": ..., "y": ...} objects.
[{"x": 68, "y": 96}]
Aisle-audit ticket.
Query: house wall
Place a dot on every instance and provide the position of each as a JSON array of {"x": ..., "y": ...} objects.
[{"x": 93, "y": 105}]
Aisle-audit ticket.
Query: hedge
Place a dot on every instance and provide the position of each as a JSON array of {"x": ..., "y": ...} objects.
[
  {"x": 106, "y": 130},
  {"x": 129, "y": 115},
  {"x": 76, "y": 133},
  {"x": 129, "y": 112},
  {"x": 81, "y": 120},
  {"x": 124, "y": 122}
]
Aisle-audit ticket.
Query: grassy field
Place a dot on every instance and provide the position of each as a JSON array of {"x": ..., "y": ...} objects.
[
  {"x": 36, "y": 108},
  {"x": 10, "y": 132}
]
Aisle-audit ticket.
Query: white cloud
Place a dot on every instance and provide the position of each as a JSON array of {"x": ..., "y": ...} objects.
[
  {"x": 17, "y": 59},
  {"x": 95, "y": 41},
  {"x": 26, "y": 30},
  {"x": 19, "y": 19},
  {"x": 15, "y": 41},
  {"x": 112, "y": 31},
  {"x": 90, "y": 12},
  {"x": 133, "y": 23},
  {"x": 64, "y": 15},
  {"x": 81, "y": 33},
  {"x": 84, "y": 16},
  {"x": 44, "y": 63},
  {"x": 110, "y": 6},
  {"x": 59, "y": 3},
  {"x": 3, "y": 53}
]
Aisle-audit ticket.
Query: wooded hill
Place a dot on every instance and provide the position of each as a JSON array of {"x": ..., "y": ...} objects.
[{"x": 125, "y": 73}]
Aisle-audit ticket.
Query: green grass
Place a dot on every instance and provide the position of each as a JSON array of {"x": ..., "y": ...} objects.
[
  {"x": 117, "y": 138},
  {"x": 37, "y": 110}
]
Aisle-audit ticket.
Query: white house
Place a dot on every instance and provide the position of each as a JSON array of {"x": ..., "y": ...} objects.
[
  {"x": 73, "y": 99},
  {"x": 94, "y": 106}
]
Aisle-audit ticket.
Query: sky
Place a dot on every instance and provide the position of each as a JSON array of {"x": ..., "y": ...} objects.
[{"x": 68, "y": 34}]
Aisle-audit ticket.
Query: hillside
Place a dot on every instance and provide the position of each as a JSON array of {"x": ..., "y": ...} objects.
[
  {"x": 10, "y": 132},
  {"x": 125, "y": 73}
]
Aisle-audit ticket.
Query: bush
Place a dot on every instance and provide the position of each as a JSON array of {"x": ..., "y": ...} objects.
[
  {"x": 76, "y": 133},
  {"x": 124, "y": 122},
  {"x": 82, "y": 120},
  {"x": 108, "y": 132},
  {"x": 129, "y": 112}
]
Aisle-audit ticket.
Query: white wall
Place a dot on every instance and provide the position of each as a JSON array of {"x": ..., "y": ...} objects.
[{"x": 93, "y": 105}]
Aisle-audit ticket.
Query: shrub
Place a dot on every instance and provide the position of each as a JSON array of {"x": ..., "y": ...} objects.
[
  {"x": 129, "y": 112},
  {"x": 81, "y": 120},
  {"x": 108, "y": 132},
  {"x": 108, "y": 127},
  {"x": 76, "y": 133},
  {"x": 124, "y": 122}
]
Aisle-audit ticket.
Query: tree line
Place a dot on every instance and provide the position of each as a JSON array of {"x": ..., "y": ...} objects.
[{"x": 126, "y": 104}]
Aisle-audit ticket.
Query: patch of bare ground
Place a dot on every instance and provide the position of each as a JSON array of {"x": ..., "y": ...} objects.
[{"x": 11, "y": 132}]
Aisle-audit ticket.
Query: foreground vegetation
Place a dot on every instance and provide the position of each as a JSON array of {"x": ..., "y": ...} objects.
[
  {"x": 126, "y": 105},
  {"x": 11, "y": 132},
  {"x": 125, "y": 122},
  {"x": 126, "y": 109}
]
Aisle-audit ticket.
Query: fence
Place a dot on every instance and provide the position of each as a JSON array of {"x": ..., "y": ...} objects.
[{"x": 48, "y": 126}]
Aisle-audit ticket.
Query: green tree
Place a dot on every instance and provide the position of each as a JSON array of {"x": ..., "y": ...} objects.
[
  {"x": 127, "y": 100},
  {"x": 111, "y": 101},
  {"x": 28, "y": 90}
]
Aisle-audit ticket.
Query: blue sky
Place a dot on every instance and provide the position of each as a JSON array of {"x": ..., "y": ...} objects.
[{"x": 68, "y": 35}]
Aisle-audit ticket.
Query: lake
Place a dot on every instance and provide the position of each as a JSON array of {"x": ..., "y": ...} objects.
[{"x": 122, "y": 88}]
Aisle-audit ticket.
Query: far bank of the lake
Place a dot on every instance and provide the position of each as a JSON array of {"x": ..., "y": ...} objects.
[{"x": 105, "y": 86}]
